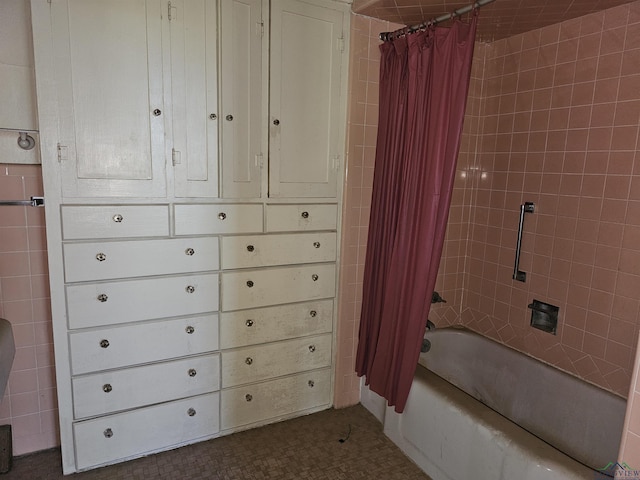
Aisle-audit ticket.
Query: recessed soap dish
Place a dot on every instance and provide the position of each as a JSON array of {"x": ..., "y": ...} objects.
[{"x": 544, "y": 316}]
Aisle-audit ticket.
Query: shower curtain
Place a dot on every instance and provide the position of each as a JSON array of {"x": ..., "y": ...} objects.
[{"x": 424, "y": 79}]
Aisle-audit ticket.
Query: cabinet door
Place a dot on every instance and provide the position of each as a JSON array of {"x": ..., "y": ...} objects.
[
  {"x": 108, "y": 74},
  {"x": 306, "y": 58},
  {"x": 243, "y": 80},
  {"x": 194, "y": 89}
]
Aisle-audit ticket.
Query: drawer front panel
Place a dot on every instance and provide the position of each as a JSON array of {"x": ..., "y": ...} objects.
[
  {"x": 251, "y": 364},
  {"x": 109, "y": 260},
  {"x": 125, "y": 435},
  {"x": 269, "y": 250},
  {"x": 259, "y": 288},
  {"x": 262, "y": 325},
  {"x": 119, "y": 390},
  {"x": 217, "y": 219},
  {"x": 292, "y": 218},
  {"x": 128, "y": 301},
  {"x": 115, "y": 221},
  {"x": 115, "y": 347},
  {"x": 254, "y": 403}
]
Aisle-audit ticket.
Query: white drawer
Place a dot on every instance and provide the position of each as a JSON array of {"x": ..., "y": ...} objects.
[
  {"x": 291, "y": 218},
  {"x": 135, "y": 387},
  {"x": 139, "y": 258},
  {"x": 276, "y": 398},
  {"x": 262, "y": 325},
  {"x": 110, "y": 303},
  {"x": 120, "y": 346},
  {"x": 115, "y": 221},
  {"x": 132, "y": 434},
  {"x": 274, "y": 286},
  {"x": 269, "y": 250},
  {"x": 251, "y": 364},
  {"x": 218, "y": 219}
]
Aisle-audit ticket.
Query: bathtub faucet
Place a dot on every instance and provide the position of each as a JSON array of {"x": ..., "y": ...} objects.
[{"x": 436, "y": 298}]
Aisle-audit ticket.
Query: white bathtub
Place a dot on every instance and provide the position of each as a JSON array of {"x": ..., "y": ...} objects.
[{"x": 454, "y": 435}]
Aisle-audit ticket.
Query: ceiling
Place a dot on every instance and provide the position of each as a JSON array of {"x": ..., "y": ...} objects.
[{"x": 500, "y": 19}]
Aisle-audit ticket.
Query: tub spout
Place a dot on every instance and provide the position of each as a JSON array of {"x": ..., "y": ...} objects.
[
  {"x": 436, "y": 298},
  {"x": 430, "y": 325}
]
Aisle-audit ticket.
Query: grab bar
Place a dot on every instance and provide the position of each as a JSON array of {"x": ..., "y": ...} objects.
[
  {"x": 34, "y": 202},
  {"x": 526, "y": 207}
]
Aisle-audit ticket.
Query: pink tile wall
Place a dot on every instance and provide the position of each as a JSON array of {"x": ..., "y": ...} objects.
[{"x": 30, "y": 403}]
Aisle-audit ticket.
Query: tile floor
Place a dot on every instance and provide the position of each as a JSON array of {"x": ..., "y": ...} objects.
[{"x": 303, "y": 448}]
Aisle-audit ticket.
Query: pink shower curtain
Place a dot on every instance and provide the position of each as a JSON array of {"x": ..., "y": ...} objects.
[{"x": 424, "y": 79}]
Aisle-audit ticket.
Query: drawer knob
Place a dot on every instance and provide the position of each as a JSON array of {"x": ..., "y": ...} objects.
[
  {"x": 314, "y": 277},
  {"x": 276, "y": 122},
  {"x": 189, "y": 252},
  {"x": 313, "y": 313},
  {"x": 250, "y": 248},
  {"x": 106, "y": 388},
  {"x": 192, "y": 372},
  {"x": 229, "y": 118},
  {"x": 312, "y": 348},
  {"x": 248, "y": 360},
  {"x": 104, "y": 343},
  {"x": 305, "y": 214},
  {"x": 103, "y": 297},
  {"x": 222, "y": 216},
  {"x": 190, "y": 289},
  {"x": 189, "y": 329},
  {"x": 101, "y": 257},
  {"x": 118, "y": 218},
  {"x": 249, "y": 323},
  {"x": 316, "y": 244},
  {"x": 157, "y": 112},
  {"x": 191, "y": 412},
  {"x": 311, "y": 383},
  {"x": 213, "y": 116},
  {"x": 108, "y": 433},
  {"x": 250, "y": 284},
  {"x": 248, "y": 397}
]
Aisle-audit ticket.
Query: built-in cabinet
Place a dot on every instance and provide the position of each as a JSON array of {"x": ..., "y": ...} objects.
[{"x": 192, "y": 154}]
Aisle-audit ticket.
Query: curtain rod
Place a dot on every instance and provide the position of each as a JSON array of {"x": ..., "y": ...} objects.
[{"x": 388, "y": 36}]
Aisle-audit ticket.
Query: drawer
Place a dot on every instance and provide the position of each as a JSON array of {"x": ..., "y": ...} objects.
[
  {"x": 276, "y": 398},
  {"x": 139, "y": 258},
  {"x": 134, "y": 433},
  {"x": 291, "y": 218},
  {"x": 262, "y": 325},
  {"x": 218, "y": 219},
  {"x": 115, "y": 221},
  {"x": 269, "y": 250},
  {"x": 110, "y": 303},
  {"x": 119, "y": 390},
  {"x": 121, "y": 346},
  {"x": 274, "y": 286},
  {"x": 251, "y": 364}
]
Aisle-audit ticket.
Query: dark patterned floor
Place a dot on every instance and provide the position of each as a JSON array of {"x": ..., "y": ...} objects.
[{"x": 306, "y": 448}]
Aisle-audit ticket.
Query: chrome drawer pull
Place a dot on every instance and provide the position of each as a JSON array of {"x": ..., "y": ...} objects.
[
  {"x": 104, "y": 343},
  {"x": 249, "y": 284},
  {"x": 248, "y": 397},
  {"x": 106, "y": 388},
  {"x": 222, "y": 216},
  {"x": 316, "y": 244},
  {"x": 250, "y": 248},
  {"x": 312, "y": 348},
  {"x": 249, "y": 323},
  {"x": 189, "y": 252},
  {"x": 248, "y": 360},
  {"x": 314, "y": 277},
  {"x": 229, "y": 118},
  {"x": 192, "y": 372},
  {"x": 305, "y": 215},
  {"x": 101, "y": 257},
  {"x": 190, "y": 289},
  {"x": 118, "y": 218},
  {"x": 189, "y": 329},
  {"x": 191, "y": 412},
  {"x": 157, "y": 112},
  {"x": 313, "y": 313},
  {"x": 108, "y": 433},
  {"x": 103, "y": 298},
  {"x": 213, "y": 116},
  {"x": 311, "y": 383}
]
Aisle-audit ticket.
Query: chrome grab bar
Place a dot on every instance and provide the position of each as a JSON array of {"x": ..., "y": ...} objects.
[
  {"x": 526, "y": 207},
  {"x": 34, "y": 202}
]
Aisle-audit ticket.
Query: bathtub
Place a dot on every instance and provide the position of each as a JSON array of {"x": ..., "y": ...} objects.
[{"x": 480, "y": 410}]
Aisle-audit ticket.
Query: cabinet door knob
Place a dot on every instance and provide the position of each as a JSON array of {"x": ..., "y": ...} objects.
[
  {"x": 250, "y": 248},
  {"x": 157, "y": 112},
  {"x": 106, "y": 388},
  {"x": 118, "y": 218},
  {"x": 312, "y": 348},
  {"x": 222, "y": 216},
  {"x": 189, "y": 329},
  {"x": 314, "y": 277},
  {"x": 249, "y": 283},
  {"x": 248, "y": 360},
  {"x": 276, "y": 122},
  {"x": 191, "y": 412},
  {"x": 313, "y": 313},
  {"x": 101, "y": 257},
  {"x": 103, "y": 297},
  {"x": 104, "y": 343},
  {"x": 311, "y": 383},
  {"x": 229, "y": 118},
  {"x": 248, "y": 397},
  {"x": 108, "y": 433},
  {"x": 189, "y": 252},
  {"x": 249, "y": 323},
  {"x": 304, "y": 214},
  {"x": 190, "y": 289},
  {"x": 213, "y": 116},
  {"x": 192, "y": 372},
  {"x": 316, "y": 244}
]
